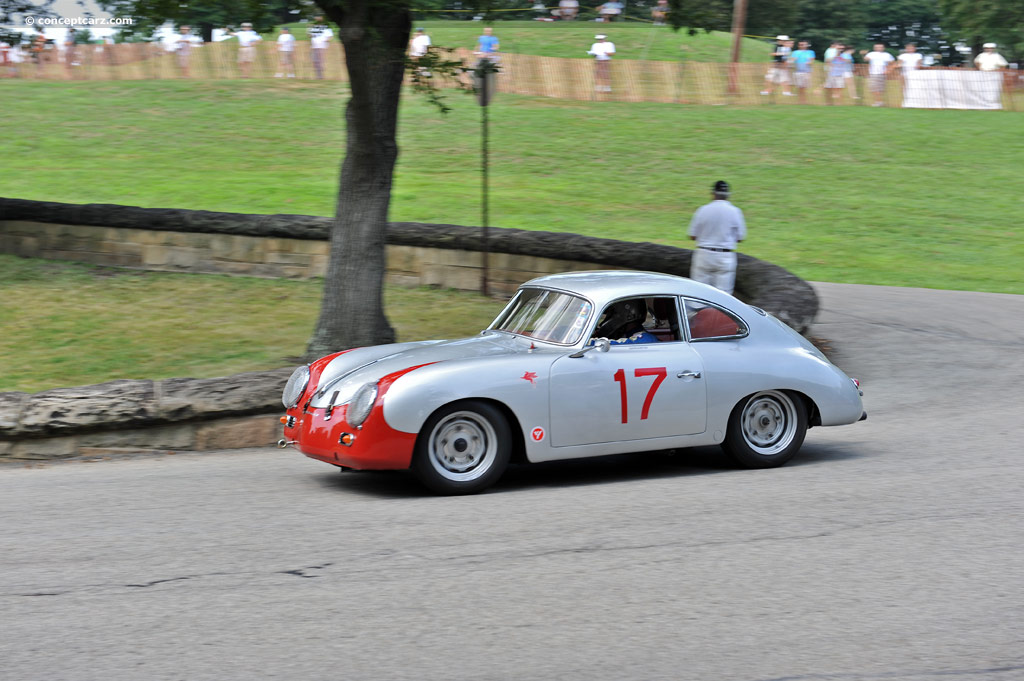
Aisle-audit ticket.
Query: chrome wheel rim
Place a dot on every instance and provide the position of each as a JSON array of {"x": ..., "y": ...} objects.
[
  {"x": 463, "y": 446},
  {"x": 768, "y": 422}
]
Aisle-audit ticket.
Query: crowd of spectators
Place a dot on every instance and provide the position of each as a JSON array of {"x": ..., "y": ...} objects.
[
  {"x": 789, "y": 67},
  {"x": 792, "y": 70}
]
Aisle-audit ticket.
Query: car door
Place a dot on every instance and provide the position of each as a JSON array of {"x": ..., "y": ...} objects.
[{"x": 631, "y": 392}]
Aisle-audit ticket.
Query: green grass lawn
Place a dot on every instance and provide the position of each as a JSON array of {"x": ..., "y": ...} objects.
[
  {"x": 65, "y": 324},
  {"x": 845, "y": 194},
  {"x": 573, "y": 38}
]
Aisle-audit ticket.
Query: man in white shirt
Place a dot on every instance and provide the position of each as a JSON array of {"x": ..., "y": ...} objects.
[
  {"x": 419, "y": 43},
  {"x": 285, "y": 50},
  {"x": 568, "y": 9},
  {"x": 247, "y": 39},
  {"x": 879, "y": 62},
  {"x": 418, "y": 47},
  {"x": 910, "y": 60},
  {"x": 320, "y": 35},
  {"x": 778, "y": 70},
  {"x": 602, "y": 51},
  {"x": 717, "y": 227},
  {"x": 990, "y": 60},
  {"x": 183, "y": 44}
]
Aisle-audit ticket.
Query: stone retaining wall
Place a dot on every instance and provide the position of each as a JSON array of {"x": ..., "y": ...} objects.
[{"x": 235, "y": 411}]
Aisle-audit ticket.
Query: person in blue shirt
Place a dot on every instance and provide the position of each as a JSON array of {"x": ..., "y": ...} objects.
[
  {"x": 835, "y": 81},
  {"x": 803, "y": 62},
  {"x": 487, "y": 44}
]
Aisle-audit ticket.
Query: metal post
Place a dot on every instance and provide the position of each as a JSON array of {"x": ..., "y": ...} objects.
[{"x": 484, "y": 233}]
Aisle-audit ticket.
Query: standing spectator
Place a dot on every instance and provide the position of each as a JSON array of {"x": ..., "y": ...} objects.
[
  {"x": 418, "y": 48},
  {"x": 320, "y": 35},
  {"x": 568, "y": 9},
  {"x": 803, "y": 62},
  {"x": 183, "y": 44},
  {"x": 778, "y": 70},
  {"x": 602, "y": 52},
  {"x": 910, "y": 60},
  {"x": 989, "y": 59},
  {"x": 247, "y": 39},
  {"x": 38, "y": 51},
  {"x": 717, "y": 227},
  {"x": 879, "y": 61},
  {"x": 835, "y": 81},
  {"x": 851, "y": 82},
  {"x": 15, "y": 57},
  {"x": 70, "y": 52},
  {"x": 610, "y": 10},
  {"x": 5, "y": 57},
  {"x": 831, "y": 52},
  {"x": 285, "y": 54},
  {"x": 487, "y": 45},
  {"x": 907, "y": 62},
  {"x": 660, "y": 12}
]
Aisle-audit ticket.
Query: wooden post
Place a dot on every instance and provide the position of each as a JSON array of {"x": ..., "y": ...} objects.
[{"x": 739, "y": 22}]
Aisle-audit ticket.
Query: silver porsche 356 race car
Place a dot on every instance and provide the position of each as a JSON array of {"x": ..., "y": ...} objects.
[{"x": 576, "y": 365}]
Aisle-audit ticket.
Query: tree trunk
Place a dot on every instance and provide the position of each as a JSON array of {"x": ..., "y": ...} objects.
[{"x": 375, "y": 36}]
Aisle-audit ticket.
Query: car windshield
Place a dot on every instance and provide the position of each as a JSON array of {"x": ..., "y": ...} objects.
[{"x": 545, "y": 315}]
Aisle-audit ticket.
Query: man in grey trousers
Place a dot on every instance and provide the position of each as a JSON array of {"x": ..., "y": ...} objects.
[{"x": 717, "y": 227}]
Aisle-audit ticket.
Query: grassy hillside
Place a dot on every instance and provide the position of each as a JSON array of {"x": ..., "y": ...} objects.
[{"x": 847, "y": 194}]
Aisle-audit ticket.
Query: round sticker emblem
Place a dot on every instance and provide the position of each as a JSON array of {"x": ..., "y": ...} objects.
[{"x": 537, "y": 434}]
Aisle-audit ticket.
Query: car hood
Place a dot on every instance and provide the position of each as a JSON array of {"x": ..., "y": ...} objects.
[{"x": 346, "y": 373}]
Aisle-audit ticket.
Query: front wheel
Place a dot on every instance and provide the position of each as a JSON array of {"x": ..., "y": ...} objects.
[
  {"x": 766, "y": 429},
  {"x": 463, "y": 448}
]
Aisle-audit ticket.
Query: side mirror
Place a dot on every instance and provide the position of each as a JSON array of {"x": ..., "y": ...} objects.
[{"x": 599, "y": 344}]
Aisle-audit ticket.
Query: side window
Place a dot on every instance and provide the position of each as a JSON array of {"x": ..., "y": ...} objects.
[
  {"x": 640, "y": 320},
  {"x": 707, "y": 321}
]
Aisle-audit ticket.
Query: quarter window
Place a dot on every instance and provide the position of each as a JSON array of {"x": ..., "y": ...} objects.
[{"x": 707, "y": 321}]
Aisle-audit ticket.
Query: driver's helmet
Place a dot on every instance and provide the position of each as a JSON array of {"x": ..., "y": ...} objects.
[{"x": 622, "y": 318}]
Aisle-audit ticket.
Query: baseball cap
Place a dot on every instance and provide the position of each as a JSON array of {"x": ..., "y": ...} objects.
[
  {"x": 987, "y": 45},
  {"x": 782, "y": 37},
  {"x": 600, "y": 36},
  {"x": 721, "y": 187}
]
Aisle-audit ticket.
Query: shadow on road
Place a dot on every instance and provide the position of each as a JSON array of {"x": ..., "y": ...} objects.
[{"x": 604, "y": 470}]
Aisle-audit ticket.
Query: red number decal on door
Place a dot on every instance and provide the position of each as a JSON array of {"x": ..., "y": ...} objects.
[
  {"x": 620, "y": 377},
  {"x": 660, "y": 373}
]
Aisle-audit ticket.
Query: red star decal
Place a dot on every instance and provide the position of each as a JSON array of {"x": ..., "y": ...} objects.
[{"x": 529, "y": 376}]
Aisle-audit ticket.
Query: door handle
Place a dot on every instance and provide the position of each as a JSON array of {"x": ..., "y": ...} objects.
[{"x": 688, "y": 374}]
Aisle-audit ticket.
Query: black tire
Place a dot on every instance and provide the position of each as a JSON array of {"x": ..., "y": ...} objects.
[
  {"x": 766, "y": 429},
  {"x": 464, "y": 448}
]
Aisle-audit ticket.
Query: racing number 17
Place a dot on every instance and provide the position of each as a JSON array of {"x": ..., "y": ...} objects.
[{"x": 659, "y": 374}]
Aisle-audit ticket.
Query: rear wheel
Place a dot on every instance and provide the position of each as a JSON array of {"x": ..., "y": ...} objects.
[
  {"x": 766, "y": 429},
  {"x": 463, "y": 448}
]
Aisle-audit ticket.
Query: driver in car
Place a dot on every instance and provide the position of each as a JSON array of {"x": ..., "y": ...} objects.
[{"x": 623, "y": 323}]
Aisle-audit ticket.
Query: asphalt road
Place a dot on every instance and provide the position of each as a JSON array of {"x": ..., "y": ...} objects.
[{"x": 890, "y": 549}]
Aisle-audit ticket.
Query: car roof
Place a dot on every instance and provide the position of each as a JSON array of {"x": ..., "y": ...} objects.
[{"x": 603, "y": 286}]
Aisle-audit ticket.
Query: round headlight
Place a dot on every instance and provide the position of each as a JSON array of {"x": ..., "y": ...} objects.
[
  {"x": 295, "y": 386},
  {"x": 361, "y": 404}
]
